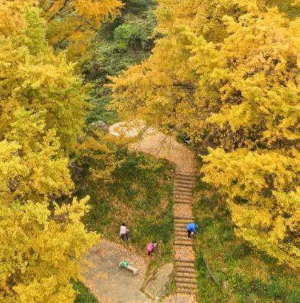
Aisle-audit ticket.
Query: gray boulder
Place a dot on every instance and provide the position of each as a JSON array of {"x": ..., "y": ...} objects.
[{"x": 99, "y": 125}]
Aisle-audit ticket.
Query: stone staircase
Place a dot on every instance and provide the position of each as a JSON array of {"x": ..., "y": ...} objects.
[{"x": 185, "y": 273}]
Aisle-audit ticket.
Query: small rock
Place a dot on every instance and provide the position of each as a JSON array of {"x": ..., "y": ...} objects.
[
  {"x": 225, "y": 287},
  {"x": 99, "y": 125},
  {"x": 159, "y": 285}
]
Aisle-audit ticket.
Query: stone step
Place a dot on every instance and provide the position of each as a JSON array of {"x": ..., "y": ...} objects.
[
  {"x": 184, "y": 183},
  {"x": 184, "y": 269},
  {"x": 183, "y": 243},
  {"x": 184, "y": 264},
  {"x": 181, "y": 226},
  {"x": 183, "y": 196},
  {"x": 183, "y": 199},
  {"x": 181, "y": 229},
  {"x": 184, "y": 180},
  {"x": 181, "y": 192},
  {"x": 181, "y": 233},
  {"x": 182, "y": 274},
  {"x": 189, "y": 176},
  {"x": 183, "y": 203},
  {"x": 183, "y": 223},
  {"x": 182, "y": 238},
  {"x": 186, "y": 280},
  {"x": 183, "y": 186},
  {"x": 187, "y": 218},
  {"x": 185, "y": 291},
  {"x": 186, "y": 285},
  {"x": 184, "y": 260}
]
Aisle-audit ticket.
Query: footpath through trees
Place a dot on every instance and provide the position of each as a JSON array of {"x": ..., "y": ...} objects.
[{"x": 161, "y": 146}]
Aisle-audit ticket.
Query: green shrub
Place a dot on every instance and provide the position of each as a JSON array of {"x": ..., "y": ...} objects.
[
  {"x": 123, "y": 35},
  {"x": 84, "y": 295}
]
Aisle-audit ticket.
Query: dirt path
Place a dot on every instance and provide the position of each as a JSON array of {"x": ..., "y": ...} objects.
[
  {"x": 157, "y": 144},
  {"x": 161, "y": 146}
]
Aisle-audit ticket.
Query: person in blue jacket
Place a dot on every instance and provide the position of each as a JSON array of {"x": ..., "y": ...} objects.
[{"x": 191, "y": 228}]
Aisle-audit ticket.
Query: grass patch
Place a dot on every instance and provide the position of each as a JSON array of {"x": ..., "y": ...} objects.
[
  {"x": 140, "y": 196},
  {"x": 243, "y": 274},
  {"x": 84, "y": 295}
]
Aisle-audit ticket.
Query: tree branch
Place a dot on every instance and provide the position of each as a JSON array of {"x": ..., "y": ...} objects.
[{"x": 59, "y": 11}]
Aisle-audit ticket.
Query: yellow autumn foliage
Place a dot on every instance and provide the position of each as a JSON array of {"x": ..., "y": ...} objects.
[
  {"x": 226, "y": 72},
  {"x": 41, "y": 112},
  {"x": 73, "y": 23},
  {"x": 37, "y": 79},
  {"x": 41, "y": 243}
]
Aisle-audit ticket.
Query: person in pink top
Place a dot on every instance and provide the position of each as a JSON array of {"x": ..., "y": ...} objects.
[{"x": 150, "y": 247}]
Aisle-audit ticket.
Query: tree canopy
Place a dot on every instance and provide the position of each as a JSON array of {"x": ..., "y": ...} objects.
[
  {"x": 73, "y": 23},
  {"x": 35, "y": 78},
  {"x": 42, "y": 106},
  {"x": 226, "y": 72}
]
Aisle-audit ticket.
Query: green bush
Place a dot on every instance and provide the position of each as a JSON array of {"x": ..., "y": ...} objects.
[
  {"x": 84, "y": 295},
  {"x": 123, "y": 35}
]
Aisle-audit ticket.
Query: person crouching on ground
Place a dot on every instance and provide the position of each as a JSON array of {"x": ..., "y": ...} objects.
[
  {"x": 191, "y": 229},
  {"x": 150, "y": 248},
  {"x": 124, "y": 232}
]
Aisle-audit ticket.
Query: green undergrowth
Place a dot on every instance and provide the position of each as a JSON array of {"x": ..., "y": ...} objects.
[
  {"x": 84, "y": 295},
  {"x": 237, "y": 273},
  {"x": 121, "y": 43},
  {"x": 141, "y": 197}
]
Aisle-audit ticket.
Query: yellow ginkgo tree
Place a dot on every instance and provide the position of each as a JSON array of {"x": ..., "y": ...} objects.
[
  {"x": 226, "y": 72},
  {"x": 73, "y": 23},
  {"x": 37, "y": 79},
  {"x": 41, "y": 243}
]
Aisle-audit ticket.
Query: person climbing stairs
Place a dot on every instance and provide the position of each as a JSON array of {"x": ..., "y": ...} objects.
[{"x": 185, "y": 272}]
